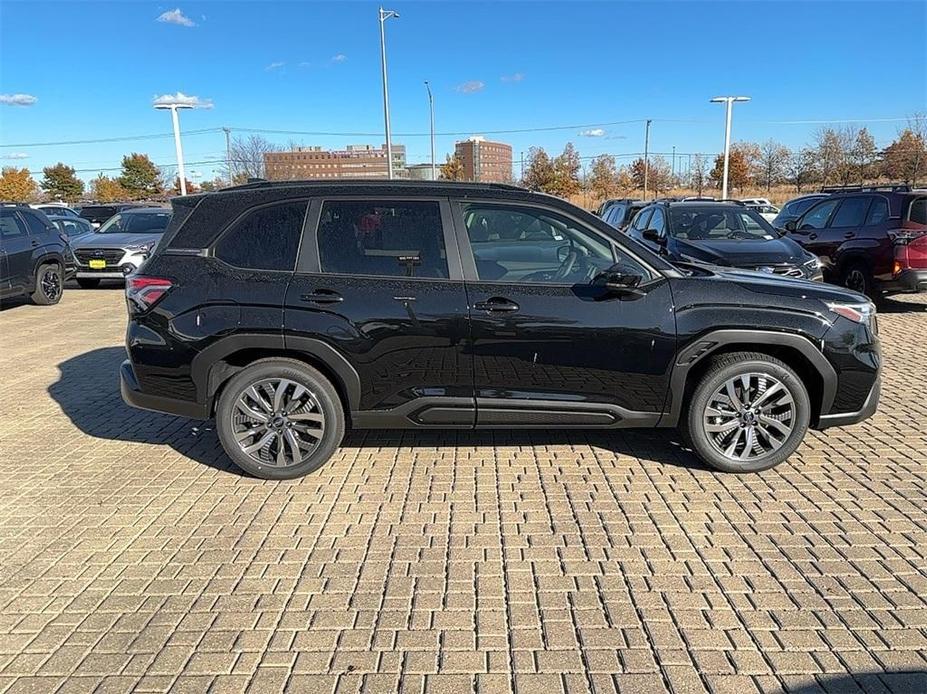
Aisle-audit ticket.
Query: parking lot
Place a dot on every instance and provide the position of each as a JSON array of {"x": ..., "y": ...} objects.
[{"x": 133, "y": 555}]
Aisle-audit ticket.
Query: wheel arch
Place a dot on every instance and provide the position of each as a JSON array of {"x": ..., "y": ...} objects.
[{"x": 797, "y": 351}]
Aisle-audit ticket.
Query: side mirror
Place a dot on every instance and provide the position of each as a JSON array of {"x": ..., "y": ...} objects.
[
  {"x": 791, "y": 225},
  {"x": 654, "y": 236},
  {"x": 619, "y": 280}
]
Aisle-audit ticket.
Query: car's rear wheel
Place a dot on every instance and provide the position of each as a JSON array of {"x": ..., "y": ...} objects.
[
  {"x": 48, "y": 285},
  {"x": 87, "y": 283},
  {"x": 279, "y": 419},
  {"x": 747, "y": 413},
  {"x": 856, "y": 276}
]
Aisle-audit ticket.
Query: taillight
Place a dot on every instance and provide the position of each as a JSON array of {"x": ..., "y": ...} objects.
[
  {"x": 910, "y": 251},
  {"x": 145, "y": 292}
]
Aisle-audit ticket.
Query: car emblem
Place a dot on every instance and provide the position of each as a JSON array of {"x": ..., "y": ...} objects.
[{"x": 98, "y": 254}]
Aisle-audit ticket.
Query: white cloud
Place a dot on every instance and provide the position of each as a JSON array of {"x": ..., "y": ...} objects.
[
  {"x": 304, "y": 64},
  {"x": 516, "y": 77},
  {"x": 470, "y": 87},
  {"x": 275, "y": 66},
  {"x": 18, "y": 99},
  {"x": 181, "y": 98},
  {"x": 175, "y": 16},
  {"x": 592, "y": 132},
  {"x": 340, "y": 58},
  {"x": 15, "y": 155}
]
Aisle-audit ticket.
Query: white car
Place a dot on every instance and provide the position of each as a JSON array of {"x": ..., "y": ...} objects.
[
  {"x": 59, "y": 209},
  {"x": 750, "y": 202},
  {"x": 766, "y": 210}
]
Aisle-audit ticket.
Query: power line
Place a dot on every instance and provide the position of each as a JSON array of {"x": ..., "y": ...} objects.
[{"x": 125, "y": 138}]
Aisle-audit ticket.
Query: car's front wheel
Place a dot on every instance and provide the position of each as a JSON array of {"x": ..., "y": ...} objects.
[
  {"x": 279, "y": 419},
  {"x": 48, "y": 285},
  {"x": 747, "y": 413}
]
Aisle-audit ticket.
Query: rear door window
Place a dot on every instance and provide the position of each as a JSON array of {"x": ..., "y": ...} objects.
[
  {"x": 382, "y": 237},
  {"x": 266, "y": 238},
  {"x": 36, "y": 225},
  {"x": 851, "y": 213}
]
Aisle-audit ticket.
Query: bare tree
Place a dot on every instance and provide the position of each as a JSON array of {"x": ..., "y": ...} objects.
[
  {"x": 699, "y": 173},
  {"x": 247, "y": 157},
  {"x": 802, "y": 168},
  {"x": 772, "y": 161}
]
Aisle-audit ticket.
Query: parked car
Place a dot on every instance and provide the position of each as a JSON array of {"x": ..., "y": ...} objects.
[
  {"x": 620, "y": 214},
  {"x": 120, "y": 246},
  {"x": 32, "y": 255},
  {"x": 795, "y": 208},
  {"x": 756, "y": 202},
  {"x": 721, "y": 233},
  {"x": 767, "y": 212},
  {"x": 292, "y": 310},
  {"x": 98, "y": 214},
  {"x": 71, "y": 228},
  {"x": 870, "y": 239},
  {"x": 58, "y": 209}
]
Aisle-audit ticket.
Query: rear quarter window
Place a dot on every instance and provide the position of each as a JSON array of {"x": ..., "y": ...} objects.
[
  {"x": 266, "y": 238},
  {"x": 918, "y": 212}
]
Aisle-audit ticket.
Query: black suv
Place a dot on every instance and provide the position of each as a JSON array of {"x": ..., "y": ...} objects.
[
  {"x": 721, "y": 233},
  {"x": 870, "y": 239},
  {"x": 32, "y": 255},
  {"x": 292, "y": 310},
  {"x": 619, "y": 213}
]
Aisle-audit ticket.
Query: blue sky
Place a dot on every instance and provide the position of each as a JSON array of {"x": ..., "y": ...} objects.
[{"x": 95, "y": 68}]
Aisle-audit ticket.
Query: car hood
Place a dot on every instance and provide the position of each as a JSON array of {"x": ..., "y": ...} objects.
[
  {"x": 766, "y": 283},
  {"x": 743, "y": 252},
  {"x": 114, "y": 240}
]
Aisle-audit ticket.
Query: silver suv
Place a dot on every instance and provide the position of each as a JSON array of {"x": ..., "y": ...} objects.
[{"x": 120, "y": 246}]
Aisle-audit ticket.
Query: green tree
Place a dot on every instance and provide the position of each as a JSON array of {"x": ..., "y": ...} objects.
[
  {"x": 566, "y": 168},
  {"x": 16, "y": 185},
  {"x": 105, "y": 189},
  {"x": 539, "y": 172},
  {"x": 140, "y": 177},
  {"x": 452, "y": 169},
  {"x": 60, "y": 183}
]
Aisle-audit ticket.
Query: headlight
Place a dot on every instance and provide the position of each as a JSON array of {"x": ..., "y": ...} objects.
[
  {"x": 813, "y": 263},
  {"x": 863, "y": 312},
  {"x": 140, "y": 247}
]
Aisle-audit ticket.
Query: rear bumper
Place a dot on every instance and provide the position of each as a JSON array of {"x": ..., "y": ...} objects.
[
  {"x": 910, "y": 280},
  {"x": 845, "y": 418},
  {"x": 132, "y": 394}
]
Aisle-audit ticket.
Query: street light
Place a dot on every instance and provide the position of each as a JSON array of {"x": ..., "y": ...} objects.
[
  {"x": 173, "y": 108},
  {"x": 384, "y": 15},
  {"x": 431, "y": 106},
  {"x": 729, "y": 100}
]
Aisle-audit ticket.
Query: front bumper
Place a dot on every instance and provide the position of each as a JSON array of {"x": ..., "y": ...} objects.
[
  {"x": 845, "y": 418},
  {"x": 129, "y": 263},
  {"x": 910, "y": 280},
  {"x": 132, "y": 395}
]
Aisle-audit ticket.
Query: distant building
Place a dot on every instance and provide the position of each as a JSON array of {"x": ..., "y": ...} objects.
[
  {"x": 356, "y": 161},
  {"x": 422, "y": 172},
  {"x": 485, "y": 161}
]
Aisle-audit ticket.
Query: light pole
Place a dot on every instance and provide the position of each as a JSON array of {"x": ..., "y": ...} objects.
[
  {"x": 384, "y": 15},
  {"x": 228, "y": 151},
  {"x": 173, "y": 109},
  {"x": 646, "y": 156},
  {"x": 729, "y": 101},
  {"x": 431, "y": 107}
]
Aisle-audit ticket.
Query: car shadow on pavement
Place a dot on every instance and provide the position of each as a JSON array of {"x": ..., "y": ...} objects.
[
  {"x": 892, "y": 682},
  {"x": 889, "y": 305},
  {"x": 88, "y": 393},
  {"x": 13, "y": 303}
]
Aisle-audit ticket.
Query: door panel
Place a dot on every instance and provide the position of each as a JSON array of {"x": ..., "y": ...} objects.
[
  {"x": 18, "y": 247},
  {"x": 552, "y": 346},
  {"x": 378, "y": 281}
]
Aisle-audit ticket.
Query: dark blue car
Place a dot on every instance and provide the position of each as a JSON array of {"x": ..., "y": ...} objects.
[{"x": 727, "y": 234}]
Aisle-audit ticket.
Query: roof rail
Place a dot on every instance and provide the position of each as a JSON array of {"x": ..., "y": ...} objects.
[{"x": 886, "y": 188}]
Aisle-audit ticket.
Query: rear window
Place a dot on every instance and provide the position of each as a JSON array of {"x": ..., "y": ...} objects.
[
  {"x": 918, "y": 213},
  {"x": 266, "y": 238},
  {"x": 96, "y": 213}
]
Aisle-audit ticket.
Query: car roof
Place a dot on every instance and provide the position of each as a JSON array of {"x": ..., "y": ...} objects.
[{"x": 142, "y": 210}]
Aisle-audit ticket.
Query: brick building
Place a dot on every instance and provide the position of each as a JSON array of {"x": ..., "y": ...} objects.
[
  {"x": 485, "y": 161},
  {"x": 356, "y": 161}
]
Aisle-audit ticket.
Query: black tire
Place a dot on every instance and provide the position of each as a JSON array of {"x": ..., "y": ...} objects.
[
  {"x": 326, "y": 402},
  {"x": 858, "y": 277},
  {"x": 723, "y": 369},
  {"x": 49, "y": 285},
  {"x": 85, "y": 283}
]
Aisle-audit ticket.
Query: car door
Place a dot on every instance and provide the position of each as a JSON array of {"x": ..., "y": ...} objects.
[
  {"x": 845, "y": 230},
  {"x": 635, "y": 231},
  {"x": 810, "y": 230},
  {"x": 379, "y": 289},
  {"x": 550, "y": 345},
  {"x": 17, "y": 246}
]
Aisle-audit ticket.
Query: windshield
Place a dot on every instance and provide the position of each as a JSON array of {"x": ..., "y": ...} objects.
[
  {"x": 715, "y": 223},
  {"x": 136, "y": 223}
]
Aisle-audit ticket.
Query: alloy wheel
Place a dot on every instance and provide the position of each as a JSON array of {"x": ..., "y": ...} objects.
[
  {"x": 749, "y": 416},
  {"x": 277, "y": 422},
  {"x": 51, "y": 284},
  {"x": 856, "y": 280}
]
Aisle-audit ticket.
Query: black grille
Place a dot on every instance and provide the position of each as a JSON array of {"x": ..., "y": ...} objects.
[{"x": 112, "y": 256}]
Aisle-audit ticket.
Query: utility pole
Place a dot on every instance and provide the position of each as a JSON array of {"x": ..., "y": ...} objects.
[
  {"x": 431, "y": 106},
  {"x": 384, "y": 15},
  {"x": 522, "y": 165},
  {"x": 228, "y": 152},
  {"x": 673, "y": 168},
  {"x": 646, "y": 156}
]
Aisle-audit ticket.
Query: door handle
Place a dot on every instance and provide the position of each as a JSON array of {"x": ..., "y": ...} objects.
[
  {"x": 849, "y": 235},
  {"x": 323, "y": 296},
  {"x": 812, "y": 236},
  {"x": 496, "y": 305},
  {"x": 35, "y": 244}
]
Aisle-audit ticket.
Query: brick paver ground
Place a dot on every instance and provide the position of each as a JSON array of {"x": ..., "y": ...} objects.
[{"x": 132, "y": 556}]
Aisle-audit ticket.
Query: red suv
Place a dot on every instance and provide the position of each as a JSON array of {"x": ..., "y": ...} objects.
[{"x": 871, "y": 239}]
